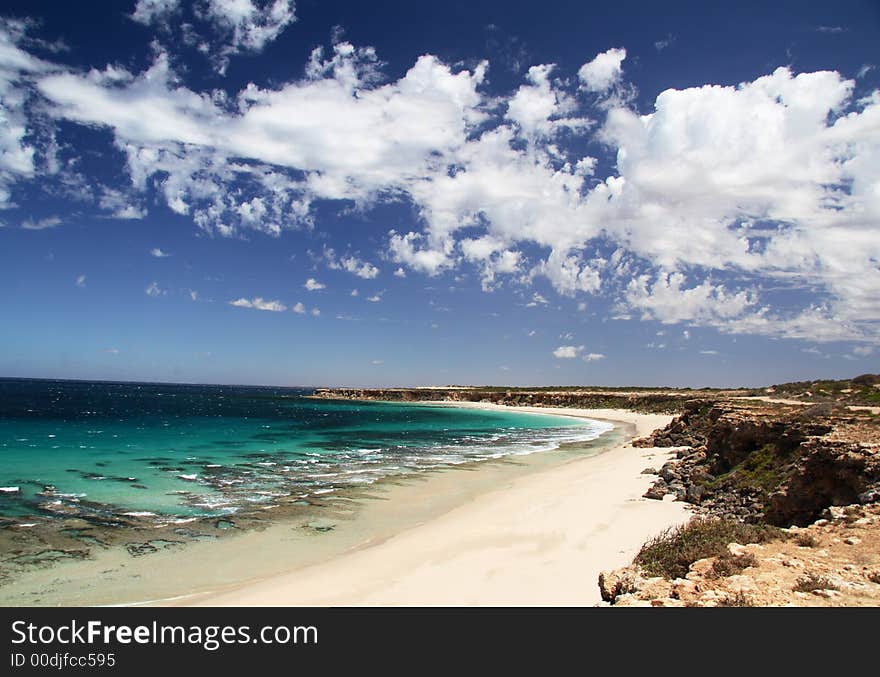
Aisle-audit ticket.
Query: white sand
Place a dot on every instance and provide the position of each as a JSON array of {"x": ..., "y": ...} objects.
[{"x": 540, "y": 540}]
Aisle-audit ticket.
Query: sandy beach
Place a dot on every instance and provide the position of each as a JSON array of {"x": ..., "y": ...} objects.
[{"x": 541, "y": 539}]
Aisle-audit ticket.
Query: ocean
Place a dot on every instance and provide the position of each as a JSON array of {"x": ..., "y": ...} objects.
[{"x": 117, "y": 453}]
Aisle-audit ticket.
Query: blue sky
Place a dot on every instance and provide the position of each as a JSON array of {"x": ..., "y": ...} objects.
[{"x": 397, "y": 193}]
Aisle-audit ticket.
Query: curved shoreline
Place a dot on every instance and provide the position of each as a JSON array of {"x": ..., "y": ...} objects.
[
  {"x": 541, "y": 539},
  {"x": 345, "y": 522}
]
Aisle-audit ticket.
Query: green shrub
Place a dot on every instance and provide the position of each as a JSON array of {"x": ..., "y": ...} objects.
[{"x": 671, "y": 554}]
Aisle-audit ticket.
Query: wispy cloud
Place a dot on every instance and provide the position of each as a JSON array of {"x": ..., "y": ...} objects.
[
  {"x": 257, "y": 303},
  {"x": 153, "y": 289},
  {"x": 80, "y": 280},
  {"x": 41, "y": 224},
  {"x": 660, "y": 45},
  {"x": 537, "y": 300},
  {"x": 158, "y": 253}
]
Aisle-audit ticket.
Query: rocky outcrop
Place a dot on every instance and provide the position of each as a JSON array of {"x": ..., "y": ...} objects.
[
  {"x": 833, "y": 562},
  {"x": 769, "y": 462}
]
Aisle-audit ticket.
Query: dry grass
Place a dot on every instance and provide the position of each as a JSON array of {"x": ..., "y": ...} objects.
[{"x": 812, "y": 582}]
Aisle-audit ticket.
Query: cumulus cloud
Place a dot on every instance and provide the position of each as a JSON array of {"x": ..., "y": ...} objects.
[
  {"x": 313, "y": 285},
  {"x": 158, "y": 253},
  {"x": 600, "y": 74},
  {"x": 351, "y": 264},
  {"x": 299, "y": 308},
  {"x": 667, "y": 299},
  {"x": 567, "y": 352},
  {"x": 716, "y": 192},
  {"x": 593, "y": 357},
  {"x": 375, "y": 298},
  {"x": 258, "y": 303}
]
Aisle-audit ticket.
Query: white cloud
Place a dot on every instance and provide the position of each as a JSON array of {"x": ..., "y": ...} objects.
[
  {"x": 316, "y": 312},
  {"x": 313, "y": 285},
  {"x": 375, "y": 298},
  {"x": 120, "y": 205},
  {"x": 148, "y": 11},
  {"x": 404, "y": 249},
  {"x": 158, "y": 253},
  {"x": 41, "y": 224},
  {"x": 377, "y": 362},
  {"x": 666, "y": 299},
  {"x": 567, "y": 352},
  {"x": 863, "y": 351},
  {"x": 250, "y": 26},
  {"x": 153, "y": 289},
  {"x": 716, "y": 190},
  {"x": 17, "y": 68},
  {"x": 540, "y": 109},
  {"x": 537, "y": 300},
  {"x": 299, "y": 308},
  {"x": 218, "y": 28},
  {"x": 593, "y": 357},
  {"x": 660, "y": 45},
  {"x": 400, "y": 272},
  {"x": 259, "y": 304},
  {"x": 352, "y": 264},
  {"x": 604, "y": 71},
  {"x": 80, "y": 280},
  {"x": 710, "y": 352},
  {"x": 193, "y": 295}
]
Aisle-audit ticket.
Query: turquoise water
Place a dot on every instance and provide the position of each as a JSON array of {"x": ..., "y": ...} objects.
[{"x": 178, "y": 451}]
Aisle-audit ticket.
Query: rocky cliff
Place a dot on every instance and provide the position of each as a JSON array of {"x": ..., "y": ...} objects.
[{"x": 769, "y": 462}]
